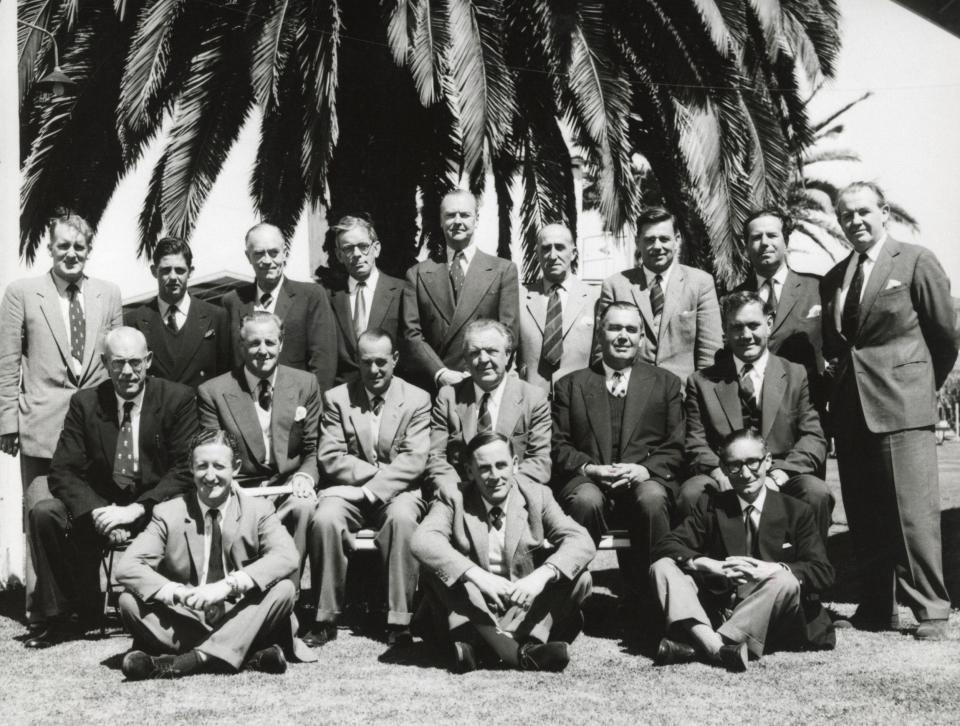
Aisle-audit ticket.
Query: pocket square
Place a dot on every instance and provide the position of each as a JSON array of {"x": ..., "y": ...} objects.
[
  {"x": 814, "y": 312},
  {"x": 892, "y": 284},
  {"x": 785, "y": 545},
  {"x": 299, "y": 414},
  {"x": 210, "y": 333}
]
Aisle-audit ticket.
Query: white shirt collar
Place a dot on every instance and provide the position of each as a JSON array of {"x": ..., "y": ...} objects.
[
  {"x": 137, "y": 403},
  {"x": 664, "y": 276},
  {"x": 757, "y": 503},
  {"x": 872, "y": 254},
  {"x": 62, "y": 284},
  {"x": 468, "y": 252},
  {"x": 253, "y": 382},
  {"x": 608, "y": 373},
  {"x": 779, "y": 277},
  {"x": 223, "y": 508},
  {"x": 371, "y": 396},
  {"x": 183, "y": 306},
  {"x": 273, "y": 293},
  {"x": 547, "y": 285},
  {"x": 503, "y": 505},
  {"x": 370, "y": 282},
  {"x": 759, "y": 365},
  {"x": 496, "y": 395}
]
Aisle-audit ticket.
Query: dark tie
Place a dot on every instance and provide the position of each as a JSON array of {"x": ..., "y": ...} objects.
[
  {"x": 377, "y": 405},
  {"x": 172, "y": 318},
  {"x": 748, "y": 397},
  {"x": 849, "y": 319},
  {"x": 496, "y": 517},
  {"x": 78, "y": 327},
  {"x": 552, "y": 349},
  {"x": 215, "y": 563},
  {"x": 265, "y": 300},
  {"x": 656, "y": 295},
  {"x": 457, "y": 274},
  {"x": 750, "y": 529},
  {"x": 265, "y": 396},
  {"x": 484, "y": 420},
  {"x": 124, "y": 468},
  {"x": 771, "y": 295},
  {"x": 616, "y": 385},
  {"x": 359, "y": 309}
]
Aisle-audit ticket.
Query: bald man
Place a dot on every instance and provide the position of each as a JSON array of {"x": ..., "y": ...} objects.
[{"x": 124, "y": 447}]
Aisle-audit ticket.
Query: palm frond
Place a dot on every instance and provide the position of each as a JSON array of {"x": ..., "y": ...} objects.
[
  {"x": 816, "y": 155},
  {"x": 272, "y": 50},
  {"x": 401, "y": 26},
  {"x": 318, "y": 53},
  {"x": 431, "y": 39}
]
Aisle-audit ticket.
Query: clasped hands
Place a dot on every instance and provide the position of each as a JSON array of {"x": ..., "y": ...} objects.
[
  {"x": 501, "y": 593},
  {"x": 614, "y": 476},
  {"x": 737, "y": 569},
  {"x": 207, "y": 598},
  {"x": 112, "y": 521}
]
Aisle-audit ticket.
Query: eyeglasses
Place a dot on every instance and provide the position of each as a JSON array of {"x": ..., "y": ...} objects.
[
  {"x": 118, "y": 364},
  {"x": 362, "y": 248},
  {"x": 734, "y": 467}
]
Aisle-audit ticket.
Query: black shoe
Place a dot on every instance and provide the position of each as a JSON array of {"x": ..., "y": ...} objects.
[
  {"x": 268, "y": 660},
  {"x": 52, "y": 634},
  {"x": 734, "y": 657},
  {"x": 864, "y": 620},
  {"x": 464, "y": 657},
  {"x": 138, "y": 666},
  {"x": 552, "y": 656},
  {"x": 671, "y": 652},
  {"x": 399, "y": 635},
  {"x": 320, "y": 634}
]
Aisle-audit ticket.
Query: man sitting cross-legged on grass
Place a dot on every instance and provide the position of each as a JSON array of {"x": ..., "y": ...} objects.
[
  {"x": 208, "y": 579},
  {"x": 506, "y": 597},
  {"x": 745, "y": 554}
]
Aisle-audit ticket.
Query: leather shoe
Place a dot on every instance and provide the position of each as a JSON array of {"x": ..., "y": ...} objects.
[
  {"x": 552, "y": 656},
  {"x": 268, "y": 660},
  {"x": 863, "y": 620},
  {"x": 734, "y": 657},
  {"x": 320, "y": 634},
  {"x": 399, "y": 635},
  {"x": 139, "y": 666},
  {"x": 52, "y": 634},
  {"x": 670, "y": 652},
  {"x": 464, "y": 657},
  {"x": 932, "y": 630}
]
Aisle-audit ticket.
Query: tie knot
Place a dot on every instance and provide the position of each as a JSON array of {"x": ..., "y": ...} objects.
[
  {"x": 265, "y": 385},
  {"x": 496, "y": 517},
  {"x": 458, "y": 255},
  {"x": 127, "y": 407},
  {"x": 749, "y": 509},
  {"x": 361, "y": 283},
  {"x": 658, "y": 278},
  {"x": 747, "y": 367},
  {"x": 214, "y": 514},
  {"x": 173, "y": 310},
  {"x": 377, "y": 404},
  {"x": 72, "y": 289},
  {"x": 265, "y": 299}
]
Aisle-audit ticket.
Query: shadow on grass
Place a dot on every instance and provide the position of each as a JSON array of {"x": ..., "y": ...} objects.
[
  {"x": 114, "y": 661},
  {"x": 12, "y": 604},
  {"x": 416, "y": 655}
]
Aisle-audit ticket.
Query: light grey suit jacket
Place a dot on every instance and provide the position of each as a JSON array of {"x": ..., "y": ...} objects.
[
  {"x": 391, "y": 464},
  {"x": 34, "y": 346},
  {"x": 578, "y": 330},
  {"x": 690, "y": 329}
]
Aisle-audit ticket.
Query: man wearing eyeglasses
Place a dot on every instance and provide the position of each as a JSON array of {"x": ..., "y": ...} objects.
[
  {"x": 124, "y": 448},
  {"x": 748, "y": 557},
  {"x": 366, "y": 299}
]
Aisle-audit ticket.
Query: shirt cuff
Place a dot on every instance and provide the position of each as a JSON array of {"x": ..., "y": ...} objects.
[
  {"x": 313, "y": 483},
  {"x": 244, "y": 582},
  {"x": 165, "y": 593},
  {"x": 436, "y": 376},
  {"x": 369, "y": 495}
]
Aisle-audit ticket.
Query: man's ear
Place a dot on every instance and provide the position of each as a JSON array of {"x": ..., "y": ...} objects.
[{"x": 153, "y": 270}]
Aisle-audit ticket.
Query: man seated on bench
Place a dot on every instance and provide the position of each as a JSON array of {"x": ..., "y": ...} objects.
[
  {"x": 208, "y": 581},
  {"x": 746, "y": 555},
  {"x": 374, "y": 437},
  {"x": 273, "y": 411},
  {"x": 505, "y": 595}
]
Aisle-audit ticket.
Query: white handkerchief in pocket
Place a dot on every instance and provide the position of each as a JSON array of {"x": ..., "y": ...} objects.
[
  {"x": 786, "y": 545},
  {"x": 299, "y": 414},
  {"x": 892, "y": 284},
  {"x": 814, "y": 312}
]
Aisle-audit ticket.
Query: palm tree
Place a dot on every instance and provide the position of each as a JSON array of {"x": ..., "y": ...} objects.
[{"x": 372, "y": 105}]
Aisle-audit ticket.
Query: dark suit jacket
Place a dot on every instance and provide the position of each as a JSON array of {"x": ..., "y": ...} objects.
[
  {"x": 384, "y": 312},
  {"x": 433, "y": 326},
  {"x": 225, "y": 402},
  {"x": 81, "y": 473},
  {"x": 203, "y": 342},
  {"x": 788, "y": 421},
  {"x": 309, "y": 331},
  {"x": 906, "y": 342},
  {"x": 452, "y": 539},
  {"x": 652, "y": 430}
]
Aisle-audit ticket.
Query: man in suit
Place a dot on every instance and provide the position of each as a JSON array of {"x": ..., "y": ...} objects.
[
  {"x": 442, "y": 297},
  {"x": 123, "y": 449},
  {"x": 556, "y": 315},
  {"x": 208, "y": 581},
  {"x": 51, "y": 338},
  {"x": 747, "y": 556},
  {"x": 749, "y": 387},
  {"x": 618, "y": 440},
  {"x": 366, "y": 299},
  {"x": 488, "y": 400},
  {"x": 794, "y": 297},
  {"x": 273, "y": 411},
  {"x": 889, "y": 333},
  {"x": 678, "y": 304},
  {"x": 189, "y": 338},
  {"x": 304, "y": 308},
  {"x": 505, "y": 595},
  {"x": 375, "y": 435}
]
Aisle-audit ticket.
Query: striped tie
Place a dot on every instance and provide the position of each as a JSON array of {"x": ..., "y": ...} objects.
[
  {"x": 457, "y": 275},
  {"x": 552, "y": 350},
  {"x": 656, "y": 295},
  {"x": 359, "y": 309},
  {"x": 771, "y": 295},
  {"x": 484, "y": 419}
]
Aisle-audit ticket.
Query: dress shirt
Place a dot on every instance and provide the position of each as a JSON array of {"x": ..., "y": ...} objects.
[
  {"x": 272, "y": 307},
  {"x": 497, "y": 539},
  {"x": 468, "y": 252},
  {"x": 873, "y": 254},
  {"x": 493, "y": 405},
  {"x": 757, "y": 371},
  {"x": 608, "y": 376},
  {"x": 64, "y": 300},
  {"x": 563, "y": 292},
  {"x": 664, "y": 277},
  {"x": 183, "y": 308},
  {"x": 370, "y": 284},
  {"x": 134, "y": 422},
  {"x": 263, "y": 416},
  {"x": 757, "y": 505},
  {"x": 779, "y": 277}
]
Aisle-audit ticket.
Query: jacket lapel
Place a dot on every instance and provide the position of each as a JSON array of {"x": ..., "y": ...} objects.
[
  {"x": 382, "y": 295},
  {"x": 878, "y": 278},
  {"x": 151, "y": 414},
  {"x": 475, "y": 521},
  {"x": 773, "y": 528},
  {"x": 92, "y": 312},
  {"x": 516, "y": 521},
  {"x": 730, "y": 523},
  {"x": 774, "y": 385},
  {"x": 480, "y": 276},
  {"x": 390, "y": 419},
  {"x": 672, "y": 297},
  {"x": 726, "y": 388},
  {"x": 537, "y": 306},
  {"x": 282, "y": 413},
  {"x": 109, "y": 423},
  {"x": 360, "y": 420},
  {"x": 233, "y": 548},
  {"x": 285, "y": 296},
  {"x": 598, "y": 412},
  {"x": 641, "y": 296},
  {"x": 577, "y": 296},
  {"x": 467, "y": 409},
  {"x": 511, "y": 406},
  {"x": 191, "y": 337},
  {"x": 341, "y": 309},
  {"x": 149, "y": 321},
  {"x": 789, "y": 294},
  {"x": 193, "y": 533},
  {"x": 50, "y": 307},
  {"x": 241, "y": 405},
  {"x": 634, "y": 404},
  {"x": 436, "y": 282}
]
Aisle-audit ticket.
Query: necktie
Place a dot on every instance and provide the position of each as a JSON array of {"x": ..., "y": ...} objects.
[
  {"x": 265, "y": 396},
  {"x": 215, "y": 563},
  {"x": 78, "y": 326},
  {"x": 484, "y": 420},
  {"x": 748, "y": 397},
  {"x": 552, "y": 349},
  {"x": 849, "y": 318},
  {"x": 124, "y": 467},
  {"x": 750, "y": 529},
  {"x": 360, "y": 310},
  {"x": 265, "y": 300},
  {"x": 617, "y": 386},
  {"x": 172, "y": 318},
  {"x": 656, "y": 295},
  {"x": 377, "y": 405},
  {"x": 771, "y": 295},
  {"x": 496, "y": 517},
  {"x": 457, "y": 274}
]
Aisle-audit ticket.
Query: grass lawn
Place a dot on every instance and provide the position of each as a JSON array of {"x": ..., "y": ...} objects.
[{"x": 870, "y": 678}]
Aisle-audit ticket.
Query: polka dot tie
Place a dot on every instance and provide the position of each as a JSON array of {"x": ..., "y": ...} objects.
[
  {"x": 78, "y": 326},
  {"x": 124, "y": 465}
]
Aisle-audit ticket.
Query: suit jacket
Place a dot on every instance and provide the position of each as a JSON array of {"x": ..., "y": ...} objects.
[
  {"x": 906, "y": 341},
  {"x": 796, "y": 333},
  {"x": 452, "y": 539},
  {"x": 81, "y": 473},
  {"x": 690, "y": 329},
  {"x": 384, "y": 313},
  {"x": 788, "y": 420},
  {"x": 651, "y": 431},
  {"x": 309, "y": 337},
  {"x": 391, "y": 464},
  {"x": 202, "y": 348},
  {"x": 433, "y": 325},
  {"x": 36, "y": 382},
  {"x": 579, "y": 315},
  {"x": 226, "y": 402},
  {"x": 524, "y": 416}
]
